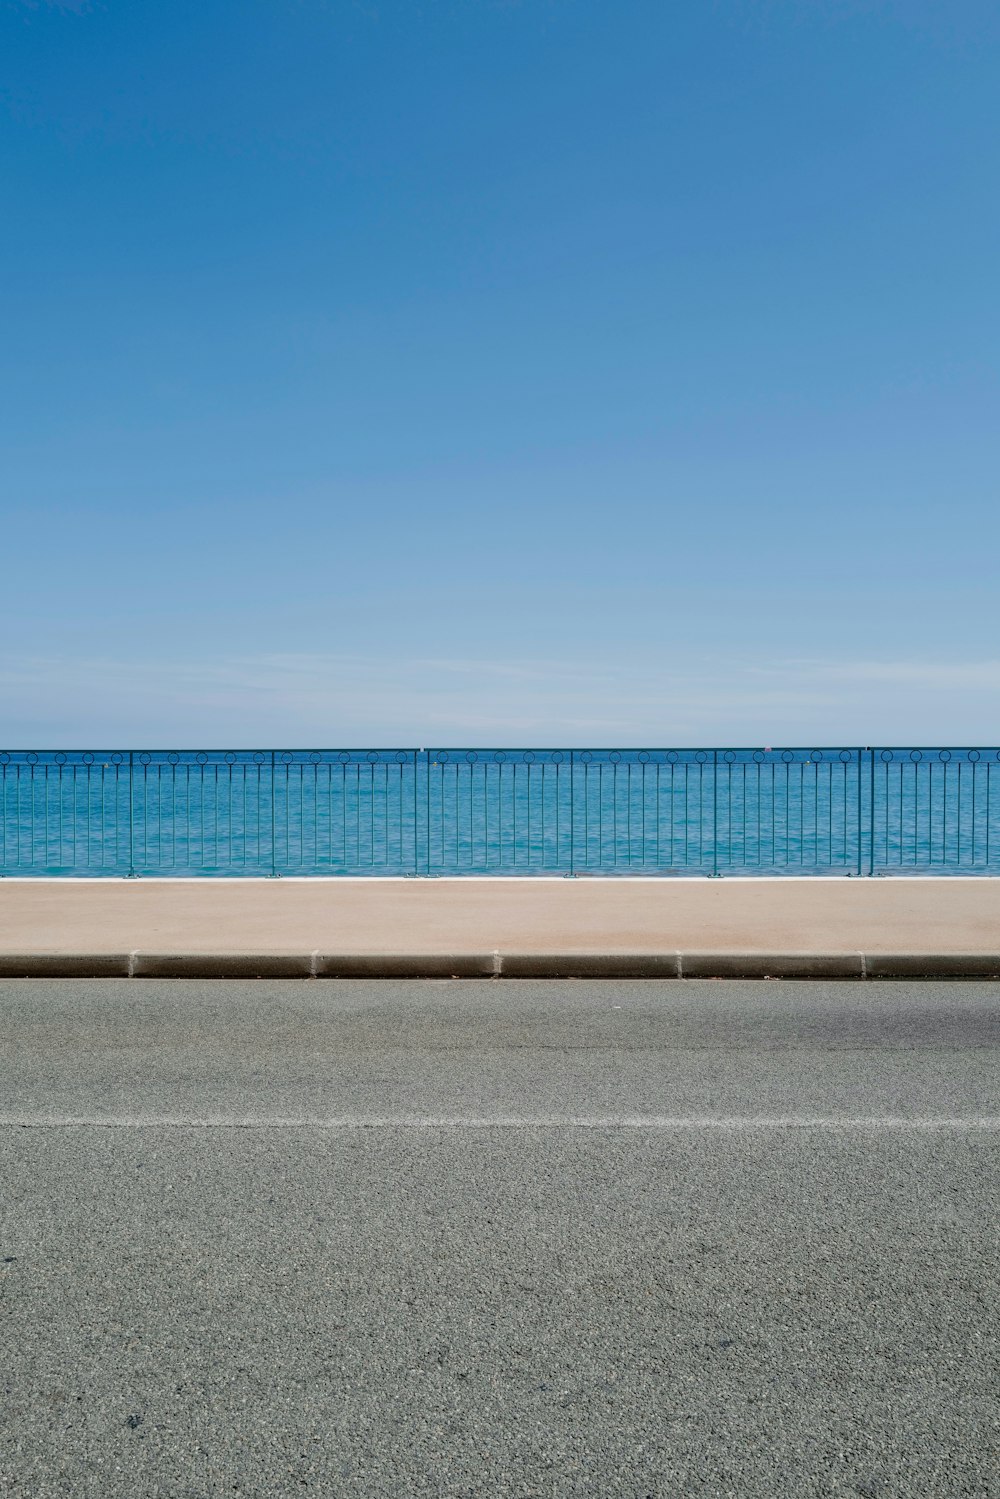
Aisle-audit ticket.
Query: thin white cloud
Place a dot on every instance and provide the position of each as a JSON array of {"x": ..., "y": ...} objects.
[
  {"x": 325, "y": 699},
  {"x": 939, "y": 676}
]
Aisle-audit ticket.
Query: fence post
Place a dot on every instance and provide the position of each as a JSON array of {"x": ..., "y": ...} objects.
[
  {"x": 572, "y": 814},
  {"x": 131, "y": 815},
  {"x": 274, "y": 841},
  {"x": 860, "y": 818},
  {"x": 416, "y": 835},
  {"x": 715, "y": 815},
  {"x": 426, "y": 761},
  {"x": 427, "y": 804},
  {"x": 871, "y": 813}
]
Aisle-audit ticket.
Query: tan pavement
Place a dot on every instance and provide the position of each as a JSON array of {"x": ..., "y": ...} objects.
[{"x": 518, "y": 915}]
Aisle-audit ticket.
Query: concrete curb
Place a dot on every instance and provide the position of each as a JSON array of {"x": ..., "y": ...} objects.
[
  {"x": 932, "y": 965},
  {"x": 407, "y": 965},
  {"x": 789, "y": 965},
  {"x": 588, "y": 965},
  {"x": 221, "y": 965},
  {"x": 539, "y": 965},
  {"x": 57, "y": 965}
]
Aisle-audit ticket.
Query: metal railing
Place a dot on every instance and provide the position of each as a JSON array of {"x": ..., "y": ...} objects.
[{"x": 425, "y": 812}]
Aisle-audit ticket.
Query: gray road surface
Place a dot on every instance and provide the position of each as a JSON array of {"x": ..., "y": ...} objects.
[{"x": 634, "y": 1239}]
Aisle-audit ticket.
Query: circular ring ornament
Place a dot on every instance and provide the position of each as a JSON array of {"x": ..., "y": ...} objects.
[
  {"x": 643, "y": 757},
  {"x": 230, "y": 758},
  {"x": 615, "y": 757},
  {"x": 787, "y": 756},
  {"x": 672, "y": 757},
  {"x": 586, "y": 757},
  {"x": 500, "y": 757},
  {"x": 60, "y": 759},
  {"x": 974, "y": 756},
  {"x": 758, "y": 756},
  {"x": 815, "y": 756},
  {"x": 558, "y": 757},
  {"x": 286, "y": 757},
  {"x": 886, "y": 756},
  {"x": 701, "y": 757},
  {"x": 471, "y": 757},
  {"x": 944, "y": 756},
  {"x": 344, "y": 757},
  {"x": 31, "y": 757},
  {"x": 259, "y": 757},
  {"x": 314, "y": 757},
  {"x": 88, "y": 758},
  {"x": 401, "y": 757},
  {"x": 529, "y": 757},
  {"x": 144, "y": 758},
  {"x": 846, "y": 757},
  {"x": 4, "y": 758},
  {"x": 201, "y": 757},
  {"x": 730, "y": 757},
  {"x": 372, "y": 757}
]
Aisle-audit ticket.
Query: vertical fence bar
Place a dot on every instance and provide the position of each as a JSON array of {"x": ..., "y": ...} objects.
[
  {"x": 274, "y": 840},
  {"x": 715, "y": 814},
  {"x": 572, "y": 813},
  {"x": 871, "y": 810},
  {"x": 131, "y": 816},
  {"x": 416, "y": 811},
  {"x": 860, "y": 818},
  {"x": 416, "y": 868}
]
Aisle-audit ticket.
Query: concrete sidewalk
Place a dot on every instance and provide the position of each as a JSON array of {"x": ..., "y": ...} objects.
[{"x": 517, "y": 928}]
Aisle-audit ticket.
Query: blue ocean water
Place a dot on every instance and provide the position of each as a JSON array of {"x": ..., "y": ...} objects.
[{"x": 448, "y": 811}]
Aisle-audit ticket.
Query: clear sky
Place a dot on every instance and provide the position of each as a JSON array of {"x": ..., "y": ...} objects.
[{"x": 511, "y": 371}]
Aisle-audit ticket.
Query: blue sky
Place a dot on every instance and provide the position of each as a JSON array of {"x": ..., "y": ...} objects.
[{"x": 471, "y": 371}]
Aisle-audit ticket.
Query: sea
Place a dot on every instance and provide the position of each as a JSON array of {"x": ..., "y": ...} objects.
[{"x": 424, "y": 812}]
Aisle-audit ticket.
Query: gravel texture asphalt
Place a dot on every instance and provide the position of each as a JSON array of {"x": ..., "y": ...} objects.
[{"x": 517, "y": 1238}]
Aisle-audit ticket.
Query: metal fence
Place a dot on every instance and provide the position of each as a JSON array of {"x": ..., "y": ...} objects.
[{"x": 432, "y": 812}]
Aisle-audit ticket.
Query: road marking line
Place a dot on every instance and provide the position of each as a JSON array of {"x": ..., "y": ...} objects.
[{"x": 988, "y": 1122}]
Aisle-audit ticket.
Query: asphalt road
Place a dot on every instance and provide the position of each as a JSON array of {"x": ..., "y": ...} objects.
[{"x": 631, "y": 1239}]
